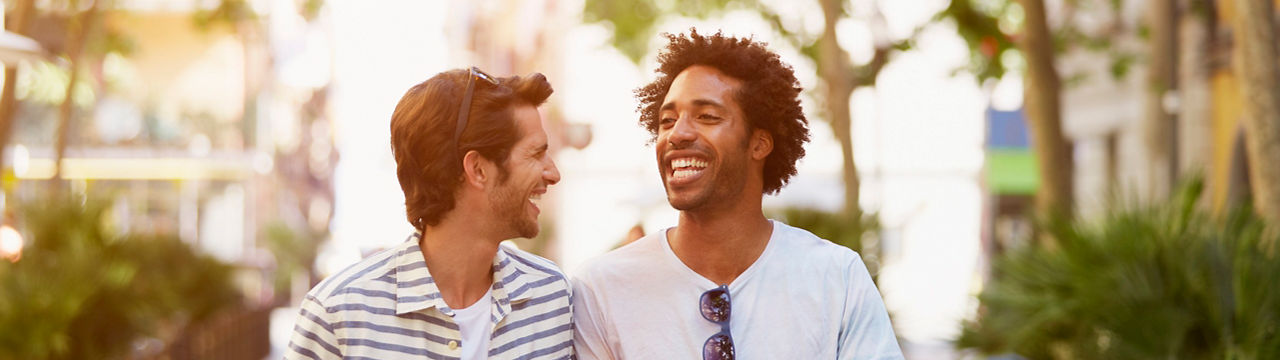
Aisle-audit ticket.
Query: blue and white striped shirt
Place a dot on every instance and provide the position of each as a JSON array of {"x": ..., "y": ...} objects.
[{"x": 387, "y": 306}]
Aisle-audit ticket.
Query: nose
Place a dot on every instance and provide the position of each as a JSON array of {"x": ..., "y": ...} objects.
[
  {"x": 682, "y": 133},
  {"x": 550, "y": 173}
]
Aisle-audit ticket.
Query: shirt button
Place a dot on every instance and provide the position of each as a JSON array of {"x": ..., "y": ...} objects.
[{"x": 453, "y": 344}]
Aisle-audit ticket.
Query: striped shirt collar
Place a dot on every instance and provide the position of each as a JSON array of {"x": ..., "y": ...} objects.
[{"x": 416, "y": 289}]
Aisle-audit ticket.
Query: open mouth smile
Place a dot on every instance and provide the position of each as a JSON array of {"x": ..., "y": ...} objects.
[{"x": 686, "y": 169}]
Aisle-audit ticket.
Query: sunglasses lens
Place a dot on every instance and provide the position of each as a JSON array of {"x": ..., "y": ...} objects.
[
  {"x": 718, "y": 347},
  {"x": 715, "y": 305},
  {"x": 475, "y": 72}
]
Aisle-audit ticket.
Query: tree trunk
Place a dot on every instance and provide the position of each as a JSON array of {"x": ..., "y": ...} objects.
[
  {"x": 835, "y": 69},
  {"x": 1159, "y": 124},
  {"x": 1042, "y": 96},
  {"x": 64, "y": 118},
  {"x": 77, "y": 33},
  {"x": 1256, "y": 54},
  {"x": 1195, "y": 32},
  {"x": 9, "y": 100}
]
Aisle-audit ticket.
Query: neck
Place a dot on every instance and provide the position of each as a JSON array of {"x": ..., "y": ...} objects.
[
  {"x": 460, "y": 259},
  {"x": 720, "y": 245}
]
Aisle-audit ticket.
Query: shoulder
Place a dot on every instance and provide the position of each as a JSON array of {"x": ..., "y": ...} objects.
[
  {"x": 529, "y": 275},
  {"x": 628, "y": 260},
  {"x": 803, "y": 247},
  {"x": 797, "y": 239},
  {"x": 358, "y": 277},
  {"x": 532, "y": 264}
]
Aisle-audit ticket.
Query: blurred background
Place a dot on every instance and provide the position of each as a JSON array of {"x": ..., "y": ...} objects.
[{"x": 1024, "y": 178}]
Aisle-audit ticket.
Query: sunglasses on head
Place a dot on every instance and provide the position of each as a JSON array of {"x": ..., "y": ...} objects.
[
  {"x": 716, "y": 308},
  {"x": 464, "y": 110}
]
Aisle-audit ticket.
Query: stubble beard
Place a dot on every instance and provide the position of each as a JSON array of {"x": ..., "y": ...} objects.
[
  {"x": 509, "y": 207},
  {"x": 728, "y": 180}
]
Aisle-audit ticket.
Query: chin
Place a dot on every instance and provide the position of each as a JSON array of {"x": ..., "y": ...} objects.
[
  {"x": 530, "y": 234},
  {"x": 684, "y": 203},
  {"x": 529, "y": 230}
]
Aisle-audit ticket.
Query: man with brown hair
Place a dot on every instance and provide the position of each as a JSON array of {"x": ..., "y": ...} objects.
[
  {"x": 727, "y": 127},
  {"x": 472, "y": 159}
]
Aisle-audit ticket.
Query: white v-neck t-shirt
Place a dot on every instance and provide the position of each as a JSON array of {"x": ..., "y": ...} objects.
[
  {"x": 475, "y": 323},
  {"x": 803, "y": 298}
]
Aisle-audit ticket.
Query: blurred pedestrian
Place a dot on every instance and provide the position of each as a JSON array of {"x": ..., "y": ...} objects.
[{"x": 635, "y": 233}]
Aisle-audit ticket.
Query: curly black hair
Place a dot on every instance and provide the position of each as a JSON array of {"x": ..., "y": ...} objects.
[{"x": 769, "y": 96}]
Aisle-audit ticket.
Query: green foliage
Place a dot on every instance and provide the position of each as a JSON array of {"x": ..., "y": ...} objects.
[
  {"x": 228, "y": 12},
  {"x": 1166, "y": 281},
  {"x": 979, "y": 25},
  {"x": 82, "y": 293},
  {"x": 310, "y": 9},
  {"x": 633, "y": 20},
  {"x": 990, "y": 28},
  {"x": 832, "y": 226},
  {"x": 293, "y": 252}
]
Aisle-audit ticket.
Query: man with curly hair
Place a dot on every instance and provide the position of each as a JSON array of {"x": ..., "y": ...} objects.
[
  {"x": 471, "y": 156},
  {"x": 725, "y": 119}
]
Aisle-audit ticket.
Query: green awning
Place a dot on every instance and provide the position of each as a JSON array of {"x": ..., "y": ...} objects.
[{"x": 1012, "y": 171}]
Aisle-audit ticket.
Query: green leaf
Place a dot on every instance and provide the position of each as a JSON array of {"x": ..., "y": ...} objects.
[{"x": 1166, "y": 280}]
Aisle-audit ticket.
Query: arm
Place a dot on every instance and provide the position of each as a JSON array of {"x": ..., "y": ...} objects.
[
  {"x": 866, "y": 332},
  {"x": 313, "y": 336},
  {"x": 589, "y": 339}
]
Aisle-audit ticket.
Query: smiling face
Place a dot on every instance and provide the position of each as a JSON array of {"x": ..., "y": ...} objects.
[
  {"x": 704, "y": 142},
  {"x": 529, "y": 170}
]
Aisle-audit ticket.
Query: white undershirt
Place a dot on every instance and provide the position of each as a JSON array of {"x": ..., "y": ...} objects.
[{"x": 475, "y": 324}]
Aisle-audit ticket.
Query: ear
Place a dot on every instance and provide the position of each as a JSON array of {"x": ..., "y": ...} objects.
[
  {"x": 761, "y": 144},
  {"x": 476, "y": 170}
]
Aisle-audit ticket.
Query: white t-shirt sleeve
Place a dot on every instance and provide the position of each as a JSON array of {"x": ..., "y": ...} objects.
[
  {"x": 866, "y": 333},
  {"x": 589, "y": 339}
]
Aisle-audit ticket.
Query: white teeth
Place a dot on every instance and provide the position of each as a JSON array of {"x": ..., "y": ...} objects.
[
  {"x": 687, "y": 162},
  {"x": 686, "y": 167},
  {"x": 678, "y": 174}
]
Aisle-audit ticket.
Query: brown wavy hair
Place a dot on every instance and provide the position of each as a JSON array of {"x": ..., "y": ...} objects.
[
  {"x": 422, "y": 127},
  {"x": 769, "y": 96}
]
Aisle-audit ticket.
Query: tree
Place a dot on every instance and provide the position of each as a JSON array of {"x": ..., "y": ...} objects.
[
  {"x": 988, "y": 43},
  {"x": 1159, "y": 125},
  {"x": 83, "y": 291},
  {"x": 76, "y": 34},
  {"x": 22, "y": 13},
  {"x": 841, "y": 78},
  {"x": 1043, "y": 99},
  {"x": 79, "y": 27},
  {"x": 633, "y": 23},
  {"x": 85, "y": 41},
  {"x": 1256, "y": 54},
  {"x": 995, "y": 30}
]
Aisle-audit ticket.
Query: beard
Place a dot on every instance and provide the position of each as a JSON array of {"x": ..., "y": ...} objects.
[
  {"x": 508, "y": 204},
  {"x": 728, "y": 180}
]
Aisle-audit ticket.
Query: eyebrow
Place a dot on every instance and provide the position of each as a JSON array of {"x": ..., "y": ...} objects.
[{"x": 696, "y": 103}]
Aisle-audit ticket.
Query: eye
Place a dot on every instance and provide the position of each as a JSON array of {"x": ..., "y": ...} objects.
[
  {"x": 708, "y": 117},
  {"x": 667, "y": 121}
]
